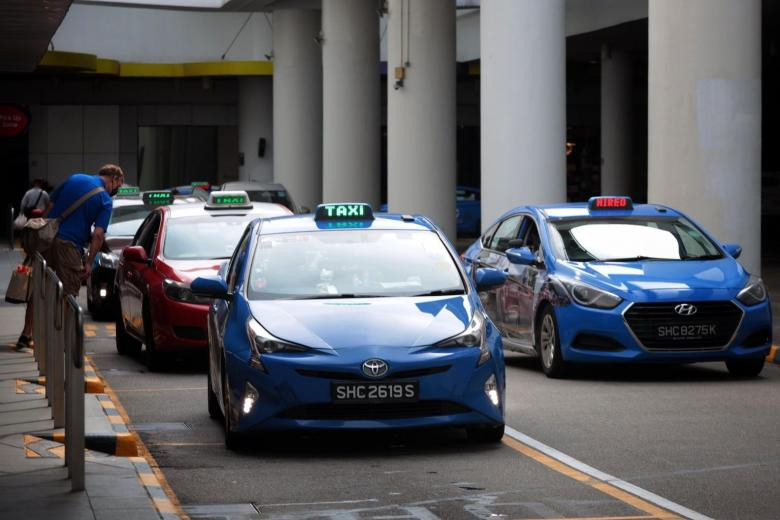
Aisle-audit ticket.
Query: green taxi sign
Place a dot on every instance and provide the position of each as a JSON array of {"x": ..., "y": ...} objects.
[
  {"x": 157, "y": 198},
  {"x": 128, "y": 190},
  {"x": 228, "y": 200},
  {"x": 344, "y": 211}
]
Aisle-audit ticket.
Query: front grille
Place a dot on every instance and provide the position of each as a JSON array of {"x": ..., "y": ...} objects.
[
  {"x": 351, "y": 376},
  {"x": 372, "y": 411},
  {"x": 645, "y": 319},
  {"x": 195, "y": 333}
]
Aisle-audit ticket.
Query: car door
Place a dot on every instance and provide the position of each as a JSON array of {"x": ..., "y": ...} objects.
[
  {"x": 136, "y": 274},
  {"x": 221, "y": 310},
  {"x": 521, "y": 288},
  {"x": 493, "y": 255}
]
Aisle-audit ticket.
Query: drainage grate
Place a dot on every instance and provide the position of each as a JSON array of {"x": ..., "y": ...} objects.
[
  {"x": 221, "y": 512},
  {"x": 161, "y": 427}
]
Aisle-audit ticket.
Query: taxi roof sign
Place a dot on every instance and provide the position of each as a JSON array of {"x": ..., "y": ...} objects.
[
  {"x": 128, "y": 190},
  {"x": 158, "y": 198},
  {"x": 344, "y": 211},
  {"x": 228, "y": 200},
  {"x": 200, "y": 184},
  {"x": 610, "y": 203}
]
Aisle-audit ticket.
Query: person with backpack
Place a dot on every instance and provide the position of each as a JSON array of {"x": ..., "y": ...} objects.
[
  {"x": 35, "y": 200},
  {"x": 82, "y": 205}
]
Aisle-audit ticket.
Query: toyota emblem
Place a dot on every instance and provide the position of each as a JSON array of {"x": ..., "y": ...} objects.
[
  {"x": 374, "y": 368},
  {"x": 685, "y": 309}
]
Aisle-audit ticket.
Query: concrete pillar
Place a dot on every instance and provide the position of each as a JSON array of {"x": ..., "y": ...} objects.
[
  {"x": 523, "y": 98},
  {"x": 421, "y": 123},
  {"x": 297, "y": 100},
  {"x": 255, "y": 123},
  {"x": 351, "y": 110},
  {"x": 704, "y": 116},
  {"x": 616, "y": 109}
]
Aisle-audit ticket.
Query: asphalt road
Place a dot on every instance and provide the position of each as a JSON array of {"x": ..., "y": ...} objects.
[{"x": 687, "y": 434}]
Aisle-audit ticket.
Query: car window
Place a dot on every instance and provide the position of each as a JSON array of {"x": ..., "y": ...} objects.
[
  {"x": 204, "y": 237},
  {"x": 506, "y": 231},
  {"x": 149, "y": 234},
  {"x": 239, "y": 255},
  {"x": 126, "y": 220},
  {"x": 531, "y": 238},
  {"x": 487, "y": 235}
]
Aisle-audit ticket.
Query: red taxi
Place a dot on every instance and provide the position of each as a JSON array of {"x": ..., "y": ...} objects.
[{"x": 174, "y": 245}]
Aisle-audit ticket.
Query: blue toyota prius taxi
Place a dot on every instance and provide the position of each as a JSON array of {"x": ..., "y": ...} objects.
[
  {"x": 610, "y": 281},
  {"x": 346, "y": 319}
]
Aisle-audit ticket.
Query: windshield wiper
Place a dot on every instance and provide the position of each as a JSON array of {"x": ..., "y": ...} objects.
[
  {"x": 441, "y": 292},
  {"x": 338, "y": 296},
  {"x": 633, "y": 259}
]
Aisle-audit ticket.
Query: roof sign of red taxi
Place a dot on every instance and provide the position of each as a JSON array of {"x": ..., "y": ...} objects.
[{"x": 13, "y": 120}]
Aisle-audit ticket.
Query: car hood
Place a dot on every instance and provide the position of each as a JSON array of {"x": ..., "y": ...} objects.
[
  {"x": 187, "y": 270},
  {"x": 664, "y": 278},
  {"x": 364, "y": 322}
]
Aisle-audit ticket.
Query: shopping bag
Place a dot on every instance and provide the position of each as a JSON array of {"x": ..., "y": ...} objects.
[{"x": 19, "y": 286}]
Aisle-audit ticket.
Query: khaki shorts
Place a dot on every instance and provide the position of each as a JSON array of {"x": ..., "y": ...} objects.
[{"x": 65, "y": 259}]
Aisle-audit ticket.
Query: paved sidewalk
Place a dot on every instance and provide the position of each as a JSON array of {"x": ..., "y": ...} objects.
[{"x": 33, "y": 478}]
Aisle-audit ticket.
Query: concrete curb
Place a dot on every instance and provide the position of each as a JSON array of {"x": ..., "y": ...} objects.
[
  {"x": 92, "y": 385},
  {"x": 773, "y": 356},
  {"x": 117, "y": 444}
]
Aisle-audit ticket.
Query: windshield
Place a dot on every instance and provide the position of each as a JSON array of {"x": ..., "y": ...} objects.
[
  {"x": 277, "y": 196},
  {"x": 125, "y": 220},
  {"x": 352, "y": 264},
  {"x": 204, "y": 237},
  {"x": 616, "y": 240}
]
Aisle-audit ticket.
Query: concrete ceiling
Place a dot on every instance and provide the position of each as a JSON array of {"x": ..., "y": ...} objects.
[{"x": 26, "y": 27}]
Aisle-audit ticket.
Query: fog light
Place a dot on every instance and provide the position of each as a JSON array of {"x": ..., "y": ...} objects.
[
  {"x": 251, "y": 395},
  {"x": 491, "y": 389},
  {"x": 103, "y": 293}
]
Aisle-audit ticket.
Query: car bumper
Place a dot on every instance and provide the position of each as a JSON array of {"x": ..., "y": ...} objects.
[
  {"x": 289, "y": 400},
  {"x": 179, "y": 326},
  {"x": 751, "y": 339}
]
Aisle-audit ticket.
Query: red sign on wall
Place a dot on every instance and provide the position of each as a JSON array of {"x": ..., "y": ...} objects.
[{"x": 13, "y": 120}]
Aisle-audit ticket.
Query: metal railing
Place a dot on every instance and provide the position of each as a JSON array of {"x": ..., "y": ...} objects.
[
  {"x": 58, "y": 331},
  {"x": 11, "y": 228}
]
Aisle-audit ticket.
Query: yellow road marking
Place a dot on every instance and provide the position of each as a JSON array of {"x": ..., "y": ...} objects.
[
  {"x": 58, "y": 451},
  {"x": 175, "y": 389},
  {"x": 90, "y": 333},
  {"x": 579, "y": 476},
  {"x": 164, "y": 505},
  {"x": 148, "y": 479},
  {"x": 772, "y": 354},
  {"x": 30, "y": 454}
]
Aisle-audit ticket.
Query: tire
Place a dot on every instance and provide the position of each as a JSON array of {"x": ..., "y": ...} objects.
[
  {"x": 548, "y": 344},
  {"x": 154, "y": 359},
  {"x": 213, "y": 403},
  {"x": 126, "y": 345},
  {"x": 233, "y": 440},
  {"x": 490, "y": 434},
  {"x": 745, "y": 367}
]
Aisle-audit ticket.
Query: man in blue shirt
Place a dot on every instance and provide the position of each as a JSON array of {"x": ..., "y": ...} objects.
[{"x": 76, "y": 230}]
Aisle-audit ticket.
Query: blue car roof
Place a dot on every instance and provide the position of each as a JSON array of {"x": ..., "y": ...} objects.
[
  {"x": 306, "y": 223},
  {"x": 580, "y": 210}
]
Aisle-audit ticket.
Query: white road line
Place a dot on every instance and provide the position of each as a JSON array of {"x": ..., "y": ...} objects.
[{"x": 600, "y": 475}]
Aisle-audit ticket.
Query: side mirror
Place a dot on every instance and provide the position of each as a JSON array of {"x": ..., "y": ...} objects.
[
  {"x": 135, "y": 254},
  {"x": 210, "y": 288},
  {"x": 733, "y": 249},
  {"x": 521, "y": 255},
  {"x": 488, "y": 278}
]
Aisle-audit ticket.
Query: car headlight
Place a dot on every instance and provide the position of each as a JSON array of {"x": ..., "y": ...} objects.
[
  {"x": 473, "y": 336},
  {"x": 754, "y": 292},
  {"x": 590, "y": 296},
  {"x": 263, "y": 342},
  {"x": 182, "y": 292},
  {"x": 107, "y": 260}
]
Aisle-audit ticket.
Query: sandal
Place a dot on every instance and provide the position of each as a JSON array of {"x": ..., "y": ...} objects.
[{"x": 23, "y": 342}]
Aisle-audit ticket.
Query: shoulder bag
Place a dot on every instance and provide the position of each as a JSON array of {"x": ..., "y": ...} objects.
[{"x": 38, "y": 234}]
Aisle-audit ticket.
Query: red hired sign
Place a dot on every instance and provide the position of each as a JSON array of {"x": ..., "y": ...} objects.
[
  {"x": 611, "y": 203},
  {"x": 13, "y": 120}
]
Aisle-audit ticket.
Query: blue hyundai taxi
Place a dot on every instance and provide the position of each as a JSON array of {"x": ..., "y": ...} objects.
[
  {"x": 610, "y": 281},
  {"x": 346, "y": 319}
]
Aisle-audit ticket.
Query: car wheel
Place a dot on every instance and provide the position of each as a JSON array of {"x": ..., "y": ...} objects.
[
  {"x": 489, "y": 434},
  {"x": 549, "y": 345},
  {"x": 154, "y": 360},
  {"x": 232, "y": 439},
  {"x": 213, "y": 404},
  {"x": 125, "y": 344},
  {"x": 745, "y": 367}
]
